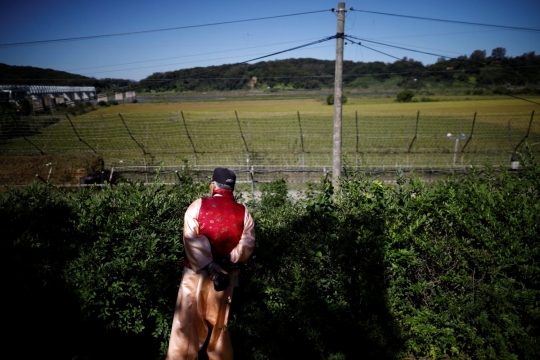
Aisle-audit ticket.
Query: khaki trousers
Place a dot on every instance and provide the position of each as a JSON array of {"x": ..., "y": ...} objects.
[{"x": 199, "y": 306}]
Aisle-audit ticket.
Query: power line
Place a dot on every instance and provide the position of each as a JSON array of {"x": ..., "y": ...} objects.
[
  {"x": 162, "y": 65},
  {"x": 431, "y": 34},
  {"x": 265, "y": 56},
  {"x": 247, "y": 61},
  {"x": 349, "y": 37},
  {"x": 157, "y": 30},
  {"x": 185, "y": 56},
  {"x": 258, "y": 77},
  {"x": 450, "y": 21},
  {"x": 164, "y": 81}
]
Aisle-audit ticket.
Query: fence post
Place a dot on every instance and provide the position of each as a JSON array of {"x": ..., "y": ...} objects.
[
  {"x": 77, "y": 134},
  {"x": 469, "y": 139},
  {"x": 189, "y": 138},
  {"x": 40, "y": 178},
  {"x": 528, "y": 132},
  {"x": 414, "y": 138},
  {"x": 133, "y": 138},
  {"x": 50, "y": 172},
  {"x": 28, "y": 140},
  {"x": 252, "y": 174},
  {"x": 302, "y": 144},
  {"x": 245, "y": 143},
  {"x": 357, "y": 138}
]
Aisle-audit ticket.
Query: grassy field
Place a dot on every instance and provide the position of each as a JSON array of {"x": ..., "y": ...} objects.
[
  {"x": 378, "y": 133},
  {"x": 370, "y": 104}
]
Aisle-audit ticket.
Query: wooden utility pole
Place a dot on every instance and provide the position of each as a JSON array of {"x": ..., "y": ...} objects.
[{"x": 338, "y": 96}]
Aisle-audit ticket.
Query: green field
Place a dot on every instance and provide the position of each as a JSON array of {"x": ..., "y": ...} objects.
[
  {"x": 370, "y": 103},
  {"x": 378, "y": 133}
]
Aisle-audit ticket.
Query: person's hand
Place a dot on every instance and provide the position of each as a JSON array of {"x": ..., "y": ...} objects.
[
  {"x": 213, "y": 268},
  {"x": 226, "y": 263}
]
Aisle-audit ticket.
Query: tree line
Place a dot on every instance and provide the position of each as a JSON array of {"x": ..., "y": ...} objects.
[
  {"x": 497, "y": 70},
  {"x": 502, "y": 73}
]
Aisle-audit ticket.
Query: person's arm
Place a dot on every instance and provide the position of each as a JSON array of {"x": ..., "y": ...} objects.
[
  {"x": 242, "y": 252},
  {"x": 197, "y": 247}
]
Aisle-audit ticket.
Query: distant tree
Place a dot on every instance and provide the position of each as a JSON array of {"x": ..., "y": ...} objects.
[
  {"x": 330, "y": 99},
  {"x": 405, "y": 96},
  {"x": 498, "y": 53},
  {"x": 478, "y": 55},
  {"x": 378, "y": 70}
]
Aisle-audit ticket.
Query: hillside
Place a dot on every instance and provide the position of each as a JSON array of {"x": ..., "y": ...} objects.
[
  {"x": 477, "y": 72},
  {"x": 29, "y": 75},
  {"x": 497, "y": 72}
]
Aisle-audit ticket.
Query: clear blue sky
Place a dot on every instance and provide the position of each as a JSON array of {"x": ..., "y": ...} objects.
[{"x": 139, "y": 55}]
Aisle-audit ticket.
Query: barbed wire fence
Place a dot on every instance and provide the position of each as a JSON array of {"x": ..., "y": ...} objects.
[{"x": 263, "y": 146}]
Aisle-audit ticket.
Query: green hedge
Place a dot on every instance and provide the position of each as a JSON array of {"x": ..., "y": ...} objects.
[{"x": 413, "y": 270}]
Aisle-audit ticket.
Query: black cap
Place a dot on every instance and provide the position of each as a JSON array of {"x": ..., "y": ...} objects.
[{"x": 225, "y": 177}]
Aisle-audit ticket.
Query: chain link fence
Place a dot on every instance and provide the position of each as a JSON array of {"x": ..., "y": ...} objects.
[{"x": 269, "y": 145}]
